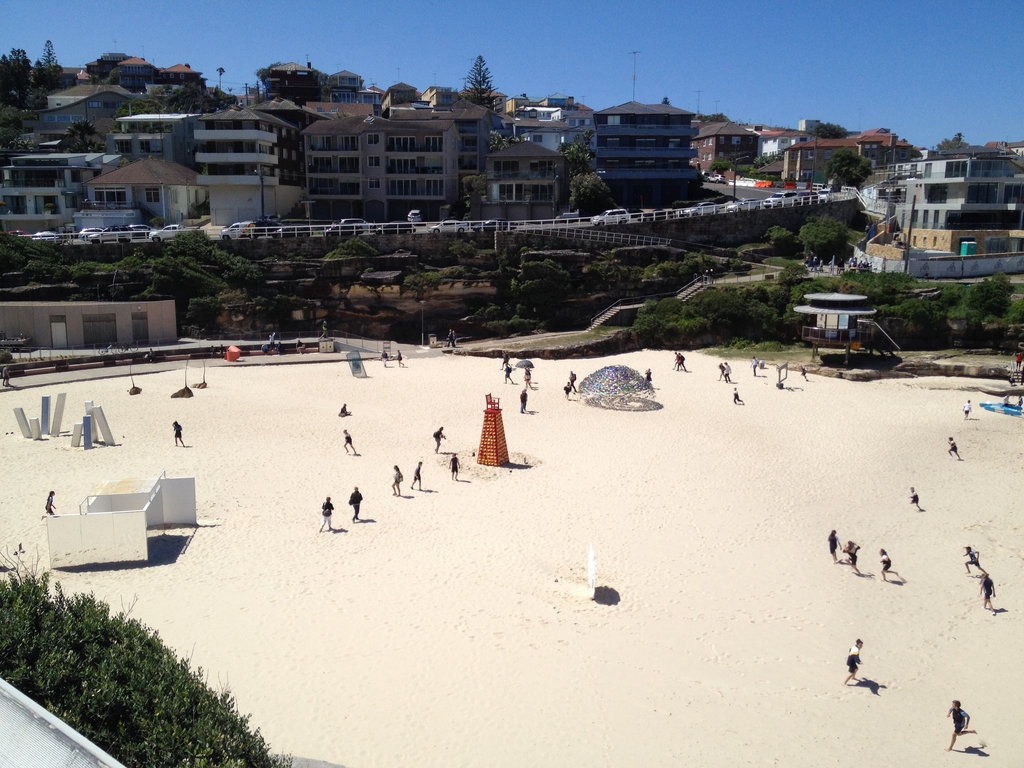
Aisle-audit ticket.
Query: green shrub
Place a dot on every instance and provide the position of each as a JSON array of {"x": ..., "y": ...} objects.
[
  {"x": 158, "y": 222},
  {"x": 462, "y": 249},
  {"x": 6, "y": 356},
  {"x": 352, "y": 248},
  {"x": 113, "y": 680}
]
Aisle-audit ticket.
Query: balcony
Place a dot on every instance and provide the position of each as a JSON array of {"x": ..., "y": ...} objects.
[
  {"x": 837, "y": 336},
  {"x": 256, "y": 158},
  {"x": 251, "y": 134},
  {"x": 646, "y": 130},
  {"x": 522, "y": 175},
  {"x": 241, "y": 179},
  {"x": 666, "y": 152},
  {"x": 651, "y": 174}
]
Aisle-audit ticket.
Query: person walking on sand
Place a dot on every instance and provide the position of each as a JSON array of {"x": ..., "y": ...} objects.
[
  {"x": 721, "y": 371},
  {"x": 850, "y": 550},
  {"x": 887, "y": 565},
  {"x": 833, "y": 545},
  {"x": 967, "y": 410},
  {"x": 753, "y": 364},
  {"x": 325, "y": 515},
  {"x": 567, "y": 388},
  {"x": 572, "y": 380},
  {"x": 417, "y": 476},
  {"x": 399, "y": 358},
  {"x": 960, "y": 722},
  {"x": 728, "y": 373},
  {"x": 49, "y": 505},
  {"x": 438, "y": 437},
  {"x": 953, "y": 451},
  {"x": 177, "y": 434},
  {"x": 647, "y": 376},
  {"x": 803, "y": 371},
  {"x": 682, "y": 362},
  {"x": 853, "y": 661},
  {"x": 528, "y": 377},
  {"x": 354, "y": 501},
  {"x": 522, "y": 401},
  {"x": 914, "y": 498},
  {"x": 504, "y": 359},
  {"x": 5, "y": 374},
  {"x": 736, "y": 397},
  {"x": 348, "y": 442},
  {"x": 677, "y": 363},
  {"x": 988, "y": 591},
  {"x": 973, "y": 558},
  {"x": 508, "y": 374},
  {"x": 384, "y": 358},
  {"x": 453, "y": 462},
  {"x": 396, "y": 487}
]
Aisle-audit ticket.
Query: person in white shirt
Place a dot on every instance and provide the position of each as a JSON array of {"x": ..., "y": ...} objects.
[{"x": 853, "y": 661}]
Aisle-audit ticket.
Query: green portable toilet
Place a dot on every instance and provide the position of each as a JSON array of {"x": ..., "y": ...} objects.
[{"x": 968, "y": 248}]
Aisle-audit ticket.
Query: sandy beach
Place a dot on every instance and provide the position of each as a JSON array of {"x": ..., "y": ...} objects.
[{"x": 454, "y": 626}]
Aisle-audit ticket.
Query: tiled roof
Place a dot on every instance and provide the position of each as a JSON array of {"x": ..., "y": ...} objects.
[
  {"x": 134, "y": 61},
  {"x": 246, "y": 113},
  {"x": 332, "y": 108},
  {"x": 290, "y": 66},
  {"x": 147, "y": 171},
  {"x": 636, "y": 108},
  {"x": 401, "y": 87},
  {"x": 345, "y": 126},
  {"x": 88, "y": 89},
  {"x": 823, "y": 143},
  {"x": 532, "y": 124},
  {"x": 180, "y": 68},
  {"x": 724, "y": 129}
]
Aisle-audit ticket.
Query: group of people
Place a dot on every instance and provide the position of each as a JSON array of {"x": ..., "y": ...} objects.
[
  {"x": 327, "y": 510},
  {"x": 851, "y": 549},
  {"x": 988, "y": 587}
]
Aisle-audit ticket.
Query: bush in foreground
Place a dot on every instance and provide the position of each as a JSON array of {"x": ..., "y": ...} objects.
[{"x": 115, "y": 682}]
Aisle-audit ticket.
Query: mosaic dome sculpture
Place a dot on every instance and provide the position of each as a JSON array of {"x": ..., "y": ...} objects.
[{"x": 619, "y": 388}]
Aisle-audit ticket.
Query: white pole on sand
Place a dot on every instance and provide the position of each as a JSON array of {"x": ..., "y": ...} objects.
[
  {"x": 592, "y": 573},
  {"x": 58, "y": 415}
]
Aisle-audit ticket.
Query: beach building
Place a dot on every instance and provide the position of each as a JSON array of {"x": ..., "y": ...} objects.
[
  {"x": 89, "y": 324},
  {"x": 841, "y": 321}
]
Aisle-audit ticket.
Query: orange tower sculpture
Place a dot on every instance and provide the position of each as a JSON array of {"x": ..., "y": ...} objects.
[{"x": 493, "y": 451}]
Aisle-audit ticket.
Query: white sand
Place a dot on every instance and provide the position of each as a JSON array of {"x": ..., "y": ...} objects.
[{"x": 456, "y": 629}]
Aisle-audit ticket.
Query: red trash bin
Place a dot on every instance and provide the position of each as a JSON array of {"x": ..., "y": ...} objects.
[{"x": 232, "y": 354}]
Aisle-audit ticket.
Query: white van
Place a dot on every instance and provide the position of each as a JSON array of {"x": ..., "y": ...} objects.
[{"x": 780, "y": 199}]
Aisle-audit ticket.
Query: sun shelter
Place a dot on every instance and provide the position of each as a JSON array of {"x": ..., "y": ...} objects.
[{"x": 111, "y": 524}]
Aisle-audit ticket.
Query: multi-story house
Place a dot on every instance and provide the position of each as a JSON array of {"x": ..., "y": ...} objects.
[
  {"x": 83, "y": 102},
  {"x": 807, "y": 161},
  {"x": 293, "y": 82},
  {"x": 345, "y": 87},
  {"x": 104, "y": 65},
  {"x": 140, "y": 191},
  {"x": 135, "y": 74},
  {"x": 169, "y": 137},
  {"x": 644, "y": 153},
  {"x": 440, "y": 96},
  {"x": 380, "y": 169},
  {"x": 45, "y": 191},
  {"x": 774, "y": 142},
  {"x": 578, "y": 116},
  {"x": 251, "y": 163},
  {"x": 525, "y": 181},
  {"x": 179, "y": 75},
  {"x": 397, "y": 94},
  {"x": 515, "y": 104},
  {"x": 725, "y": 141},
  {"x": 550, "y": 134},
  {"x": 473, "y": 124}
]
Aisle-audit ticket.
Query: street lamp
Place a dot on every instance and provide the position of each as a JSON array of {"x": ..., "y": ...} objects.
[
  {"x": 259, "y": 172},
  {"x": 422, "y": 337}
]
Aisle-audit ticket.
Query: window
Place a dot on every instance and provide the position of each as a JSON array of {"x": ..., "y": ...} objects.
[
  {"x": 372, "y": 139},
  {"x": 373, "y": 161},
  {"x": 936, "y": 193},
  {"x": 433, "y": 144},
  {"x": 997, "y": 244},
  {"x": 433, "y": 187},
  {"x": 982, "y": 193},
  {"x": 95, "y": 104},
  {"x": 152, "y": 194},
  {"x": 123, "y": 146},
  {"x": 1013, "y": 194},
  {"x": 956, "y": 169},
  {"x": 151, "y": 146},
  {"x": 373, "y": 183},
  {"x": 614, "y": 119},
  {"x": 736, "y": 140}
]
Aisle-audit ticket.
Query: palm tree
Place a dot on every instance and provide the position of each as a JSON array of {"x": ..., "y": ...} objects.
[
  {"x": 81, "y": 134},
  {"x": 220, "y": 74}
]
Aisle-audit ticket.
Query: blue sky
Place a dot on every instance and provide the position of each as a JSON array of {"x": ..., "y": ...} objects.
[{"x": 924, "y": 69}]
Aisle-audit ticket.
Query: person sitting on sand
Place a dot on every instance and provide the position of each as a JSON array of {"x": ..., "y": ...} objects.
[{"x": 344, "y": 410}]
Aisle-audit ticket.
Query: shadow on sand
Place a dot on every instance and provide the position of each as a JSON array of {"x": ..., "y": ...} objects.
[
  {"x": 164, "y": 549},
  {"x": 871, "y": 684}
]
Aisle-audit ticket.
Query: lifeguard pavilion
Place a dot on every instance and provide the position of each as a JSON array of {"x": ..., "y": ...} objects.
[{"x": 842, "y": 320}]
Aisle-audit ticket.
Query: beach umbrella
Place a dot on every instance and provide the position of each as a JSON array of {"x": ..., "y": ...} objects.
[{"x": 524, "y": 364}]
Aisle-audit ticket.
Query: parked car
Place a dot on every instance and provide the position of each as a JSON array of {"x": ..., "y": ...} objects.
[
  {"x": 119, "y": 233},
  {"x": 805, "y": 198},
  {"x": 611, "y": 216},
  {"x": 166, "y": 233},
  {"x": 395, "y": 228},
  {"x": 18, "y": 233},
  {"x": 779, "y": 199},
  {"x": 52, "y": 237},
  {"x": 824, "y": 195},
  {"x": 414, "y": 216},
  {"x": 700, "y": 209},
  {"x": 84, "y": 233},
  {"x": 448, "y": 225},
  {"x": 291, "y": 230},
  {"x": 348, "y": 227},
  {"x": 743, "y": 204},
  {"x": 492, "y": 224},
  {"x": 571, "y": 215},
  {"x": 144, "y": 229},
  {"x": 714, "y": 178},
  {"x": 234, "y": 231}
]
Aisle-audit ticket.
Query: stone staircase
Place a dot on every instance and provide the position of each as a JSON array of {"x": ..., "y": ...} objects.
[{"x": 634, "y": 303}]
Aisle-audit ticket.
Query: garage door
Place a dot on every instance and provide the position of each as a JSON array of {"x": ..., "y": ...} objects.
[{"x": 99, "y": 330}]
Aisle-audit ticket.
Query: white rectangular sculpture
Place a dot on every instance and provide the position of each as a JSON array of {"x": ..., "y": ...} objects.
[
  {"x": 19, "y": 415},
  {"x": 107, "y": 537},
  {"x": 58, "y": 415},
  {"x": 100, "y": 420}
]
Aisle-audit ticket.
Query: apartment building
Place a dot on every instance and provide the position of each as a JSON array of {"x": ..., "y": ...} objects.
[
  {"x": 644, "y": 153},
  {"x": 807, "y": 161},
  {"x": 725, "y": 141},
  {"x": 251, "y": 162},
  {"x": 525, "y": 181},
  {"x": 45, "y": 191},
  {"x": 169, "y": 137},
  {"x": 380, "y": 169},
  {"x": 293, "y": 82},
  {"x": 473, "y": 124}
]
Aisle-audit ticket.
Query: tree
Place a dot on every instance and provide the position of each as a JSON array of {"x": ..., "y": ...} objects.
[
  {"x": 720, "y": 164},
  {"x": 948, "y": 145},
  {"x": 848, "y": 166},
  {"x": 497, "y": 142},
  {"x": 714, "y": 117},
  {"x": 588, "y": 193},
  {"x": 783, "y": 242},
  {"x": 665, "y": 101},
  {"x": 579, "y": 157},
  {"x": 990, "y": 299},
  {"x": 830, "y": 131},
  {"x": 825, "y": 237},
  {"x": 82, "y": 135},
  {"x": 46, "y": 72},
  {"x": 194, "y": 98},
  {"x": 147, "y": 106},
  {"x": 220, "y": 75},
  {"x": 478, "y": 87},
  {"x": 15, "y": 78}
]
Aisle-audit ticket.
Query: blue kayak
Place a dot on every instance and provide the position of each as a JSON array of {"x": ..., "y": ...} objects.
[{"x": 1009, "y": 410}]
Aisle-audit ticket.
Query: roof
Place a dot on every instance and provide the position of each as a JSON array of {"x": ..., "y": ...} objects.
[
  {"x": 636, "y": 108},
  {"x": 532, "y": 124},
  {"x": 823, "y": 143},
  {"x": 290, "y": 66},
  {"x": 180, "y": 68},
  {"x": 727, "y": 129},
  {"x": 134, "y": 61},
  {"x": 32, "y": 735},
  {"x": 88, "y": 89},
  {"x": 345, "y": 73},
  {"x": 147, "y": 171},
  {"x": 246, "y": 113},
  {"x": 159, "y": 117},
  {"x": 352, "y": 125},
  {"x": 334, "y": 108},
  {"x": 401, "y": 87},
  {"x": 835, "y": 304},
  {"x": 525, "y": 149}
]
